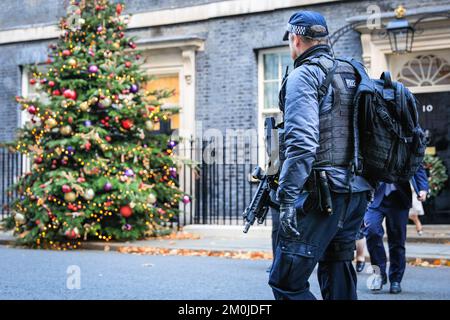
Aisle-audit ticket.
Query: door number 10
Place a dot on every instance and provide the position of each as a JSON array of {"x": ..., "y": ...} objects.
[{"x": 427, "y": 108}]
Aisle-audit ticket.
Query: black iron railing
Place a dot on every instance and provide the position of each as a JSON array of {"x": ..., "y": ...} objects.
[
  {"x": 11, "y": 167},
  {"x": 215, "y": 173}
]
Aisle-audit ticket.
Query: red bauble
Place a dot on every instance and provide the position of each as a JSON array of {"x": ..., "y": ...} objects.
[
  {"x": 38, "y": 160},
  {"x": 126, "y": 211},
  {"x": 66, "y": 53},
  {"x": 119, "y": 8},
  {"x": 127, "y": 124},
  {"x": 70, "y": 120},
  {"x": 108, "y": 138},
  {"x": 70, "y": 94},
  {"x": 51, "y": 84},
  {"x": 32, "y": 109},
  {"x": 32, "y": 81},
  {"x": 65, "y": 188},
  {"x": 72, "y": 234},
  {"x": 127, "y": 64},
  {"x": 56, "y": 92}
]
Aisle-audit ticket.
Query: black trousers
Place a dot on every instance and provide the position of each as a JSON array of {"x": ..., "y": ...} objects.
[{"x": 321, "y": 241}]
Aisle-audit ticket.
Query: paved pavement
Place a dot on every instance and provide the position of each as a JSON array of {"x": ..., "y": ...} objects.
[
  {"x": 42, "y": 274},
  {"x": 231, "y": 238}
]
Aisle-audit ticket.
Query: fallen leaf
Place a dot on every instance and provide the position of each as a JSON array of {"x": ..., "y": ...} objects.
[
  {"x": 437, "y": 262},
  {"x": 252, "y": 255}
]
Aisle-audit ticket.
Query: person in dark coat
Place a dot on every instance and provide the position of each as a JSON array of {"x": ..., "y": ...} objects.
[{"x": 391, "y": 201}]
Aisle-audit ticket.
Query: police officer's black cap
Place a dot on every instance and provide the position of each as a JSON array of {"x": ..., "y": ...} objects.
[{"x": 310, "y": 24}]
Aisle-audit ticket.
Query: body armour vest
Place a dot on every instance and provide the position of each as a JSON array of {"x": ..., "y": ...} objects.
[{"x": 336, "y": 116}]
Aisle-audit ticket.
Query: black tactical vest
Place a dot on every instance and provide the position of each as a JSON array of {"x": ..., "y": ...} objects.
[{"x": 335, "y": 116}]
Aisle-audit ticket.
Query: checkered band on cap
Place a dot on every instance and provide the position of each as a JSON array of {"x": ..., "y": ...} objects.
[{"x": 300, "y": 30}]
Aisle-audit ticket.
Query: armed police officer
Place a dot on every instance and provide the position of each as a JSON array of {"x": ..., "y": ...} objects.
[{"x": 322, "y": 202}]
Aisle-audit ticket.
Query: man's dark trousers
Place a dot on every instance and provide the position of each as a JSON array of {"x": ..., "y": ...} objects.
[
  {"x": 396, "y": 220},
  {"x": 321, "y": 241}
]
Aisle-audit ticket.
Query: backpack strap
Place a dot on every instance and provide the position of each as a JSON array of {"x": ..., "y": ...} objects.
[
  {"x": 388, "y": 86},
  {"x": 386, "y": 77},
  {"x": 323, "y": 89},
  {"x": 329, "y": 73}
]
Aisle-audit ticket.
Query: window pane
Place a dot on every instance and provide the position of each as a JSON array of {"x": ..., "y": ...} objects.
[
  {"x": 271, "y": 66},
  {"x": 168, "y": 82},
  {"x": 271, "y": 94},
  {"x": 286, "y": 61}
]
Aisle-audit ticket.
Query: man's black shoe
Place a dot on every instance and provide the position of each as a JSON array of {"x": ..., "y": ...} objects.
[
  {"x": 360, "y": 266},
  {"x": 395, "y": 288}
]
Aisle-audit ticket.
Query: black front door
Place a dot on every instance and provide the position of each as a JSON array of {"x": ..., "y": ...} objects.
[{"x": 434, "y": 109}]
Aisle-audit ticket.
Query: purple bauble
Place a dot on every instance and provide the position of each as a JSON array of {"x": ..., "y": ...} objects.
[
  {"x": 71, "y": 150},
  {"x": 99, "y": 29},
  {"x": 107, "y": 186},
  {"x": 172, "y": 144},
  {"x": 134, "y": 88},
  {"x": 93, "y": 69},
  {"x": 186, "y": 199},
  {"x": 173, "y": 171},
  {"x": 129, "y": 173},
  {"x": 88, "y": 123}
]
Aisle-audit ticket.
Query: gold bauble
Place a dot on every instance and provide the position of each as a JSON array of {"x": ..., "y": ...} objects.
[
  {"x": 64, "y": 104},
  {"x": 66, "y": 130},
  {"x": 51, "y": 123},
  {"x": 116, "y": 45},
  {"x": 84, "y": 106},
  {"x": 70, "y": 196},
  {"x": 72, "y": 62}
]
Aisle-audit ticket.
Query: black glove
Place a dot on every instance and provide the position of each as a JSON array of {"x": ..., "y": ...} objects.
[{"x": 288, "y": 219}]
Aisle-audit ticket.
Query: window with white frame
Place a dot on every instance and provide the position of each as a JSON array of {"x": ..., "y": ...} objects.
[
  {"x": 272, "y": 65},
  {"x": 31, "y": 91}
]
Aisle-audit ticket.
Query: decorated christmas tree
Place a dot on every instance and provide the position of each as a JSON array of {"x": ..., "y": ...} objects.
[
  {"x": 437, "y": 174},
  {"x": 99, "y": 169}
]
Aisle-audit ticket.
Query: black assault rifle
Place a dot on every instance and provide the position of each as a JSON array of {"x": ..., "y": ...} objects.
[{"x": 259, "y": 206}]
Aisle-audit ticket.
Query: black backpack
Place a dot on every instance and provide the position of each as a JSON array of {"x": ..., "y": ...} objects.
[{"x": 389, "y": 144}]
